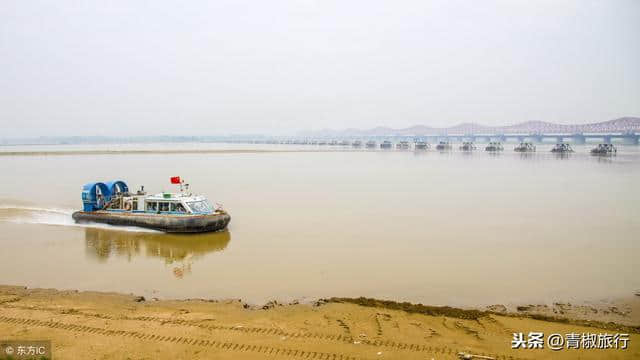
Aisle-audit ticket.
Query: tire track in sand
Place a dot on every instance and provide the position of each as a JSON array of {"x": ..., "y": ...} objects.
[
  {"x": 193, "y": 342},
  {"x": 346, "y": 338}
]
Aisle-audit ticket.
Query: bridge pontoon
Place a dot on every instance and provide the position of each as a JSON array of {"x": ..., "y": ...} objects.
[
  {"x": 443, "y": 145},
  {"x": 385, "y": 145},
  {"x": 525, "y": 147},
  {"x": 562, "y": 148},
  {"x": 468, "y": 146},
  {"x": 604, "y": 149},
  {"x": 494, "y": 147}
]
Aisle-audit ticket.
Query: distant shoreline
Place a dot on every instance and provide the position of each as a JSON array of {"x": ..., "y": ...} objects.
[{"x": 158, "y": 151}]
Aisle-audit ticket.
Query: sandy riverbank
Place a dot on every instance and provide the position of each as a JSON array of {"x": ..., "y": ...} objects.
[{"x": 115, "y": 326}]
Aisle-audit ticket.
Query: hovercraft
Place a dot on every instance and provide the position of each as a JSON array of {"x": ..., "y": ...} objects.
[{"x": 112, "y": 203}]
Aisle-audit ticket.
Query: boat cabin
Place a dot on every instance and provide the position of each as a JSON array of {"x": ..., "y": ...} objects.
[
  {"x": 172, "y": 203},
  {"x": 115, "y": 196},
  {"x": 163, "y": 203}
]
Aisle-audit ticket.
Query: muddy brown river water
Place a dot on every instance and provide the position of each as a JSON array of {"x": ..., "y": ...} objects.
[{"x": 438, "y": 228}]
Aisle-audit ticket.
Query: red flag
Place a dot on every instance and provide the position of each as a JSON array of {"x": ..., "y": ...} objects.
[{"x": 175, "y": 179}]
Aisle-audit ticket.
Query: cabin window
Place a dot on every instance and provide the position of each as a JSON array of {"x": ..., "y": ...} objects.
[
  {"x": 177, "y": 207},
  {"x": 152, "y": 206},
  {"x": 200, "y": 206},
  {"x": 164, "y": 206},
  {"x": 134, "y": 205}
]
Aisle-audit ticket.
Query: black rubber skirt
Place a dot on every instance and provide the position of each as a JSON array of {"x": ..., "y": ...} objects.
[{"x": 166, "y": 223}]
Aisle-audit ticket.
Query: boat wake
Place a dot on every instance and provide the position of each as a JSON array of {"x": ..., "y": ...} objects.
[{"x": 25, "y": 214}]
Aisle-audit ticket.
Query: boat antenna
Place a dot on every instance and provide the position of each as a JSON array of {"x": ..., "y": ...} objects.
[{"x": 184, "y": 187}]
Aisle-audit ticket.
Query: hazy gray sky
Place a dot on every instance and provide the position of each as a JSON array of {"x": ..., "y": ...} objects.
[{"x": 217, "y": 67}]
